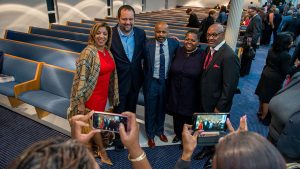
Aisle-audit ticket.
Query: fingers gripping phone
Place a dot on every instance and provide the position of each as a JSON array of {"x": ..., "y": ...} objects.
[
  {"x": 108, "y": 121},
  {"x": 208, "y": 122}
]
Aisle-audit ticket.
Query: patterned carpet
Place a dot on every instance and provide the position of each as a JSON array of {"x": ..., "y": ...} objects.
[{"x": 18, "y": 132}]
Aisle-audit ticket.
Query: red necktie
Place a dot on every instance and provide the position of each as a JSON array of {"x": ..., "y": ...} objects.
[{"x": 208, "y": 59}]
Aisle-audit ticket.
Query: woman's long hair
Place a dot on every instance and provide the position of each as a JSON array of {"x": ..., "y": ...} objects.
[{"x": 94, "y": 30}]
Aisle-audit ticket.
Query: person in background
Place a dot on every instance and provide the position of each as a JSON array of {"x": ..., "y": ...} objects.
[
  {"x": 184, "y": 76},
  {"x": 205, "y": 24},
  {"x": 127, "y": 47},
  {"x": 95, "y": 80},
  {"x": 222, "y": 18},
  {"x": 276, "y": 22},
  {"x": 285, "y": 122},
  {"x": 251, "y": 38},
  {"x": 274, "y": 73},
  {"x": 285, "y": 19},
  {"x": 159, "y": 54},
  {"x": 193, "y": 19},
  {"x": 293, "y": 25},
  {"x": 240, "y": 149}
]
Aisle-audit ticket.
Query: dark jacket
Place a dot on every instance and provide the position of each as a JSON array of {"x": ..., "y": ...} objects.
[
  {"x": 130, "y": 74},
  {"x": 277, "y": 65},
  {"x": 254, "y": 30},
  {"x": 285, "y": 123},
  {"x": 219, "y": 81}
]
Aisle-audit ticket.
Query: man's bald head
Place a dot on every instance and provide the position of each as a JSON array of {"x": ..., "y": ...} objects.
[
  {"x": 215, "y": 34},
  {"x": 161, "y": 31}
]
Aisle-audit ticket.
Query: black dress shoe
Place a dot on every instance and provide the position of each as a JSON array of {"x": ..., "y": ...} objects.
[
  {"x": 175, "y": 139},
  {"x": 202, "y": 154}
]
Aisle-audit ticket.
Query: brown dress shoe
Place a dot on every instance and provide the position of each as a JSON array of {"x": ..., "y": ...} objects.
[
  {"x": 151, "y": 143},
  {"x": 163, "y": 138}
]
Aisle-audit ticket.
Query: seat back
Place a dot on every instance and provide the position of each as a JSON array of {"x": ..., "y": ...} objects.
[
  {"x": 61, "y": 58},
  {"x": 22, "y": 69},
  {"x": 70, "y": 28},
  {"x": 53, "y": 42},
  {"x": 57, "y": 80},
  {"x": 59, "y": 34}
]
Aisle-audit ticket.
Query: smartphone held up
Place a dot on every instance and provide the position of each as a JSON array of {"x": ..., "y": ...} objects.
[{"x": 108, "y": 121}]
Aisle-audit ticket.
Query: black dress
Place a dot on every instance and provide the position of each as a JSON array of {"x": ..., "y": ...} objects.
[
  {"x": 273, "y": 75},
  {"x": 183, "y": 95}
]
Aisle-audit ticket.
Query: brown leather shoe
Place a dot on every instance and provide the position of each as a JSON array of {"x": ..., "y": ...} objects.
[
  {"x": 151, "y": 143},
  {"x": 163, "y": 138}
]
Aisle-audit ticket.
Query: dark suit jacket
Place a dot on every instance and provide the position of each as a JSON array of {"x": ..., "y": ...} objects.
[
  {"x": 219, "y": 81},
  {"x": 150, "y": 56},
  {"x": 254, "y": 29},
  {"x": 130, "y": 74}
]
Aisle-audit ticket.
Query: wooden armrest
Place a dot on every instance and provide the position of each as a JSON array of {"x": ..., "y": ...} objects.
[
  {"x": 31, "y": 84},
  {"x": 26, "y": 86}
]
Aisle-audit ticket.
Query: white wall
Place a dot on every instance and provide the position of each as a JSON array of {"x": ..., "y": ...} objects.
[
  {"x": 75, "y": 10},
  {"x": 211, "y": 3},
  {"x": 19, "y": 15},
  {"x": 172, "y": 4},
  {"x": 116, "y": 5},
  {"x": 136, "y": 4},
  {"x": 154, "y": 5}
]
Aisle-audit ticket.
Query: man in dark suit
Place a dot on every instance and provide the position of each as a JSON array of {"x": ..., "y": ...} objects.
[
  {"x": 159, "y": 53},
  {"x": 251, "y": 38},
  {"x": 127, "y": 48},
  {"x": 220, "y": 77}
]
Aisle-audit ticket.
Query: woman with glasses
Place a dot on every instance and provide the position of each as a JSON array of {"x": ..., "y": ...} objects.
[{"x": 183, "y": 87}]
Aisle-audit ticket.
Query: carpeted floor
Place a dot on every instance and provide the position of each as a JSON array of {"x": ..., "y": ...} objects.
[{"x": 18, "y": 132}]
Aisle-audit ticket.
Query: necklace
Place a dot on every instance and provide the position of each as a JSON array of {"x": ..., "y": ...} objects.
[
  {"x": 189, "y": 52},
  {"x": 103, "y": 52}
]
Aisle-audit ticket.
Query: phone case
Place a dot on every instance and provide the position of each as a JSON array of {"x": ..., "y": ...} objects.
[
  {"x": 108, "y": 121},
  {"x": 210, "y": 122}
]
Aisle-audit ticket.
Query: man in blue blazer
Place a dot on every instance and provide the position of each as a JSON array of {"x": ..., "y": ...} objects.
[
  {"x": 127, "y": 48},
  {"x": 159, "y": 53}
]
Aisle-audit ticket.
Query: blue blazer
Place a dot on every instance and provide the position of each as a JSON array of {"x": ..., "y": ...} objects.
[
  {"x": 130, "y": 74},
  {"x": 150, "y": 55}
]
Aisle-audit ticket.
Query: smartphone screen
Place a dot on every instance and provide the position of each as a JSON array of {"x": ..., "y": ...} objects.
[
  {"x": 210, "y": 121},
  {"x": 108, "y": 121}
]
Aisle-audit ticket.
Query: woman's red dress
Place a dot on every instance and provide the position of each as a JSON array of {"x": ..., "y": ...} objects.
[{"x": 98, "y": 99}]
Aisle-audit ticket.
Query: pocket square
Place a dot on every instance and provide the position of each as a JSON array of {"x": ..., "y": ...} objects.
[{"x": 216, "y": 66}]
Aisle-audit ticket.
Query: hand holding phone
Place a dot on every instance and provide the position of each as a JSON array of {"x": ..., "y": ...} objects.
[{"x": 108, "y": 121}]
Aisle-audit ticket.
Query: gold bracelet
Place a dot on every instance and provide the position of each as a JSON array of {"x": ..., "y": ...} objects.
[{"x": 139, "y": 158}]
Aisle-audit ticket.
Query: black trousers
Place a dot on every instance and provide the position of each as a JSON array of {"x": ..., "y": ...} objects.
[
  {"x": 178, "y": 123},
  {"x": 127, "y": 101},
  {"x": 246, "y": 62}
]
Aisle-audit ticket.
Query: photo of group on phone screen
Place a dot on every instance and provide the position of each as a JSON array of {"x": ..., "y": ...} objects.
[
  {"x": 108, "y": 122},
  {"x": 211, "y": 122}
]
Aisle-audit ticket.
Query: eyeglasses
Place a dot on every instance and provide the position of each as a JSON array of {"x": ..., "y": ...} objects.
[{"x": 213, "y": 35}]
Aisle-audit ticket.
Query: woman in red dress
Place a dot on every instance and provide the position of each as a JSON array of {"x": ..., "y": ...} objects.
[{"x": 95, "y": 81}]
